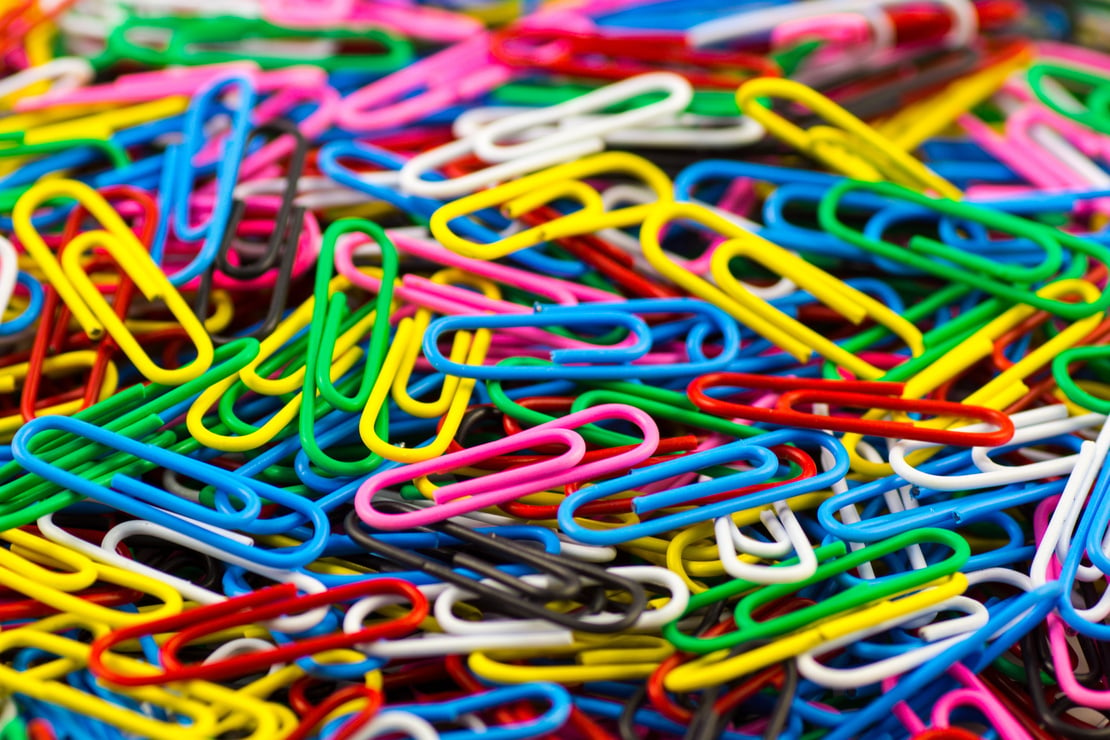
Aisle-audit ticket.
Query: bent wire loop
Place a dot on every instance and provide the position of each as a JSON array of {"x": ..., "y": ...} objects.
[
  {"x": 755, "y": 451},
  {"x": 238, "y": 503},
  {"x": 82, "y": 297},
  {"x": 705, "y": 392},
  {"x": 266, "y": 603},
  {"x": 600, "y": 363},
  {"x": 477, "y": 493},
  {"x": 933, "y": 257},
  {"x": 564, "y": 580},
  {"x": 769, "y": 322}
]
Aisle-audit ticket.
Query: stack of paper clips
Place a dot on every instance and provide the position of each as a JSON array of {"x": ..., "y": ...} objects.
[{"x": 578, "y": 370}]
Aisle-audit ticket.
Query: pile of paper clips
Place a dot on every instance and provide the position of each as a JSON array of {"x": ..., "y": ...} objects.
[{"x": 585, "y": 370}]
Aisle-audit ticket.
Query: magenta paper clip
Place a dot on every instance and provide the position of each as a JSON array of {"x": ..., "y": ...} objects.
[
  {"x": 139, "y": 87},
  {"x": 428, "y": 24},
  {"x": 1049, "y": 151},
  {"x": 455, "y": 499},
  {"x": 1074, "y": 55},
  {"x": 457, "y": 74}
]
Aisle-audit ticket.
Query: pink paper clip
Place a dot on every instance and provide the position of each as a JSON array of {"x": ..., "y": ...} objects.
[
  {"x": 1074, "y": 55},
  {"x": 307, "y": 12},
  {"x": 460, "y": 73},
  {"x": 974, "y": 694},
  {"x": 1060, "y": 654},
  {"x": 455, "y": 499},
  {"x": 457, "y": 74},
  {"x": 1048, "y": 150},
  {"x": 838, "y": 32},
  {"x": 429, "y": 24},
  {"x": 138, "y": 87}
]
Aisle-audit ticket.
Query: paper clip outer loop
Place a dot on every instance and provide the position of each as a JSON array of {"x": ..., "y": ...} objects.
[
  {"x": 871, "y": 395},
  {"x": 521, "y": 196},
  {"x": 788, "y": 334},
  {"x": 836, "y": 147},
  {"x": 269, "y": 602},
  {"x": 755, "y": 449},
  {"x": 498, "y": 488},
  {"x": 82, "y": 297}
]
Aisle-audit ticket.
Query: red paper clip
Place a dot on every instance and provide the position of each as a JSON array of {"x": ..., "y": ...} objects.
[
  {"x": 608, "y": 56},
  {"x": 317, "y": 714},
  {"x": 852, "y": 393},
  {"x": 251, "y": 608}
]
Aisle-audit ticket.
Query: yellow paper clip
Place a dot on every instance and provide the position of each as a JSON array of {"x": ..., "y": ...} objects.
[
  {"x": 769, "y": 322},
  {"x": 455, "y": 395},
  {"x": 102, "y": 124},
  {"x": 347, "y": 355},
  {"x": 528, "y": 193},
  {"x": 596, "y": 658},
  {"x": 918, "y": 122},
  {"x": 24, "y": 575},
  {"x": 847, "y": 145},
  {"x": 86, "y": 303}
]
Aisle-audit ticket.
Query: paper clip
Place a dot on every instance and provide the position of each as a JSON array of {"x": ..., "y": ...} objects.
[
  {"x": 522, "y": 195},
  {"x": 859, "y": 394},
  {"x": 281, "y": 249},
  {"x": 416, "y": 21},
  {"x": 602, "y": 361},
  {"x": 937, "y": 637},
  {"x": 789, "y": 334},
  {"x": 762, "y": 464},
  {"x": 60, "y": 591},
  {"x": 207, "y": 41},
  {"x": 136, "y": 87},
  {"x": 555, "y": 697},
  {"x": 207, "y": 705},
  {"x": 465, "y": 497},
  {"x": 965, "y": 22},
  {"x": 847, "y": 145},
  {"x": 928, "y": 586},
  {"x": 548, "y": 149},
  {"x": 63, "y": 73},
  {"x": 181, "y": 171},
  {"x": 604, "y": 55},
  {"x": 82, "y": 297},
  {"x": 524, "y": 596},
  {"x": 143, "y": 500},
  {"x": 264, "y": 604},
  {"x": 620, "y": 658},
  {"x": 456, "y": 74},
  {"x": 926, "y": 254}
]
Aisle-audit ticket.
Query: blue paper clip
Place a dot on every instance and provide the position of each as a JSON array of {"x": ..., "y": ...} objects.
[
  {"x": 753, "y": 450},
  {"x": 145, "y": 501},
  {"x": 180, "y": 173},
  {"x": 710, "y": 321}
]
